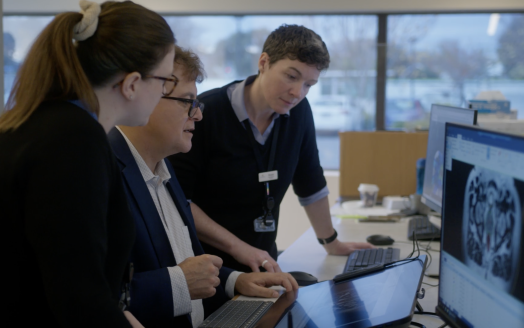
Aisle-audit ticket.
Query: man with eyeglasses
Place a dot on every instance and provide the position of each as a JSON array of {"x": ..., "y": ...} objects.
[{"x": 175, "y": 284}]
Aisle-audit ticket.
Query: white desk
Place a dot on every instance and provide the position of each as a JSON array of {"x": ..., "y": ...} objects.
[{"x": 307, "y": 255}]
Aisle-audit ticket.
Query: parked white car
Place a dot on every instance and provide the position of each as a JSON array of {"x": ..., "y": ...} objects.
[{"x": 332, "y": 114}]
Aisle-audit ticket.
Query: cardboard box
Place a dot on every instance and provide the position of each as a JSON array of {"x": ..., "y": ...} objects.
[{"x": 387, "y": 159}]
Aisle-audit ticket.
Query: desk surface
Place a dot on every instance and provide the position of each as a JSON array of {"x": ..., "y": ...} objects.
[{"x": 307, "y": 255}]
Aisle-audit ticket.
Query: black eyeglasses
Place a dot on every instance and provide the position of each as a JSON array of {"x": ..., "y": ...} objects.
[
  {"x": 167, "y": 87},
  {"x": 194, "y": 105},
  {"x": 169, "y": 83}
]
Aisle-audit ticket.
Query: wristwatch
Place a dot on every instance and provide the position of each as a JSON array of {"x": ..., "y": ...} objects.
[{"x": 329, "y": 239}]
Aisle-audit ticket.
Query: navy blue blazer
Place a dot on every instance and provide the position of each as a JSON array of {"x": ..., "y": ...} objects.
[{"x": 151, "y": 293}]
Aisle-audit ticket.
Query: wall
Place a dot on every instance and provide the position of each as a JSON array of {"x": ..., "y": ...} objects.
[
  {"x": 278, "y": 6},
  {"x": 293, "y": 221}
]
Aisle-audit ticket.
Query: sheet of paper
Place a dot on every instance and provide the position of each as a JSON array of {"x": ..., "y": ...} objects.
[{"x": 354, "y": 209}]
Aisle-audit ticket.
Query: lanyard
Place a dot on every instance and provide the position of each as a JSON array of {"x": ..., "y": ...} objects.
[{"x": 269, "y": 202}]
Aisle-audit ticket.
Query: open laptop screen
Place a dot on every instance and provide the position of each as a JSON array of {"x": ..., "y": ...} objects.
[
  {"x": 381, "y": 298},
  {"x": 481, "y": 267}
]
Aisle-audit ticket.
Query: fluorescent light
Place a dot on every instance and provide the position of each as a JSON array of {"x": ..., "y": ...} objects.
[{"x": 493, "y": 24}]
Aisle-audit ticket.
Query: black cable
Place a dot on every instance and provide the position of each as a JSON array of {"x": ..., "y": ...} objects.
[
  {"x": 427, "y": 313},
  {"x": 408, "y": 258},
  {"x": 425, "y": 283},
  {"x": 444, "y": 325},
  {"x": 416, "y": 324}
]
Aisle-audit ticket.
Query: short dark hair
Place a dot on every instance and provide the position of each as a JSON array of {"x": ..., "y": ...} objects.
[
  {"x": 297, "y": 42},
  {"x": 193, "y": 68}
]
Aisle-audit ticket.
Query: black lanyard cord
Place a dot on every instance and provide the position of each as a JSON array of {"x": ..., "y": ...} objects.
[{"x": 269, "y": 201}]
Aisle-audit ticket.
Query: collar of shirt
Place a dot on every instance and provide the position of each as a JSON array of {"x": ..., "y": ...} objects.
[
  {"x": 235, "y": 93},
  {"x": 162, "y": 173}
]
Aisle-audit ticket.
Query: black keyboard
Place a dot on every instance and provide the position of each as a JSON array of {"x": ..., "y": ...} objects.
[
  {"x": 241, "y": 314},
  {"x": 424, "y": 229},
  {"x": 366, "y": 257}
]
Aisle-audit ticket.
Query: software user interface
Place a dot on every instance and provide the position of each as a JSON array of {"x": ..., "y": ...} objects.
[
  {"x": 482, "y": 273},
  {"x": 434, "y": 170}
]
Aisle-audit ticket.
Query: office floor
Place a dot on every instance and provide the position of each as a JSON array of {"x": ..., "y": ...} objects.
[{"x": 293, "y": 221}]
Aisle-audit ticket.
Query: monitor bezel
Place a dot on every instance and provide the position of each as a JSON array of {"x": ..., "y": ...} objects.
[{"x": 425, "y": 200}]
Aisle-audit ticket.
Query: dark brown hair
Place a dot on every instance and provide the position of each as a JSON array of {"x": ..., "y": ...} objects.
[
  {"x": 193, "y": 68},
  {"x": 129, "y": 38},
  {"x": 297, "y": 42}
]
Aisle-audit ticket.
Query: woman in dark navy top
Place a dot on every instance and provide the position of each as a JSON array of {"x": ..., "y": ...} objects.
[
  {"x": 257, "y": 139},
  {"x": 62, "y": 201}
]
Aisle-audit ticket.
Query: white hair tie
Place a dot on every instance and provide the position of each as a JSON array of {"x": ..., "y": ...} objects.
[{"x": 87, "y": 26}]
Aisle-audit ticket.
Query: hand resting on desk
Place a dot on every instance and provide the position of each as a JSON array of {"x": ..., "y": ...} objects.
[{"x": 257, "y": 283}]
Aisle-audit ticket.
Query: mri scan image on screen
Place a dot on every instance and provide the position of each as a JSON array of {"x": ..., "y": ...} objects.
[{"x": 492, "y": 227}]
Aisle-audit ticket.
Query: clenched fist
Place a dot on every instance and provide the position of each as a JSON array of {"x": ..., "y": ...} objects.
[{"x": 201, "y": 274}]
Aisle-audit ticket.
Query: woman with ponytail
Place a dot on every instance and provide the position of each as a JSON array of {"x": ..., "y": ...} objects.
[{"x": 62, "y": 204}]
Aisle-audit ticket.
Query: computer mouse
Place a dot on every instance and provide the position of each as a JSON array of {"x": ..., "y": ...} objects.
[
  {"x": 380, "y": 240},
  {"x": 303, "y": 278}
]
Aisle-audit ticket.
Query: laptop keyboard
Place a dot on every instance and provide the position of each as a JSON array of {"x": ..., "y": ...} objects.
[
  {"x": 423, "y": 228},
  {"x": 233, "y": 314},
  {"x": 366, "y": 257}
]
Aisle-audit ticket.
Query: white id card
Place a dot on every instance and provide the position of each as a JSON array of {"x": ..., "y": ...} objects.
[
  {"x": 268, "y": 176},
  {"x": 260, "y": 226}
]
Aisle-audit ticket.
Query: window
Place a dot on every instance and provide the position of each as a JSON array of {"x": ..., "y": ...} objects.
[
  {"x": 448, "y": 59},
  {"x": 229, "y": 47},
  {"x": 442, "y": 58}
]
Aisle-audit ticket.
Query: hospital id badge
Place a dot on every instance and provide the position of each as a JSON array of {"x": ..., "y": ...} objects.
[
  {"x": 268, "y": 176},
  {"x": 260, "y": 225}
]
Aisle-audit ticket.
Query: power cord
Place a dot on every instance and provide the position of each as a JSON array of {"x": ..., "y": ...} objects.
[{"x": 416, "y": 324}]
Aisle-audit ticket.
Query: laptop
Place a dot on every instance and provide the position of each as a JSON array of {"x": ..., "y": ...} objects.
[{"x": 386, "y": 297}]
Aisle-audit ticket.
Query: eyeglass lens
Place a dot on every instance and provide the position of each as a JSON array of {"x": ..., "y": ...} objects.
[
  {"x": 195, "y": 105},
  {"x": 169, "y": 86}
]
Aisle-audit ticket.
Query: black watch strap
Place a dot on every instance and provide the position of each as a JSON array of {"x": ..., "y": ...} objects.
[{"x": 328, "y": 240}]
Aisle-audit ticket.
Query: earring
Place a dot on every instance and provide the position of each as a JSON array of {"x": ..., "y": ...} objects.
[{"x": 131, "y": 97}]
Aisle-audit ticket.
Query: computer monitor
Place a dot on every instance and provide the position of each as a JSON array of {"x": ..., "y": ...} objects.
[
  {"x": 482, "y": 250},
  {"x": 434, "y": 171}
]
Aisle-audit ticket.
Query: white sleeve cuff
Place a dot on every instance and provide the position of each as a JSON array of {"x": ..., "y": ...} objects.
[
  {"x": 180, "y": 290},
  {"x": 305, "y": 201},
  {"x": 231, "y": 282}
]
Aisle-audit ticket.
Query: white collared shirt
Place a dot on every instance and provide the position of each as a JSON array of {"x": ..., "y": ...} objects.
[{"x": 178, "y": 235}]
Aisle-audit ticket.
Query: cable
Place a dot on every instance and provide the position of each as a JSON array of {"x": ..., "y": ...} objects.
[
  {"x": 425, "y": 283},
  {"x": 444, "y": 325},
  {"x": 408, "y": 258},
  {"x": 427, "y": 313},
  {"x": 416, "y": 324}
]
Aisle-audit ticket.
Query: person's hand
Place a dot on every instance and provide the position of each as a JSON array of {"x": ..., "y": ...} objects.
[
  {"x": 257, "y": 283},
  {"x": 255, "y": 258},
  {"x": 345, "y": 248},
  {"x": 201, "y": 274},
  {"x": 132, "y": 320}
]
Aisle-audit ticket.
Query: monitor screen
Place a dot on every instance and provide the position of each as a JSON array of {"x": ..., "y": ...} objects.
[
  {"x": 434, "y": 170},
  {"x": 481, "y": 267}
]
